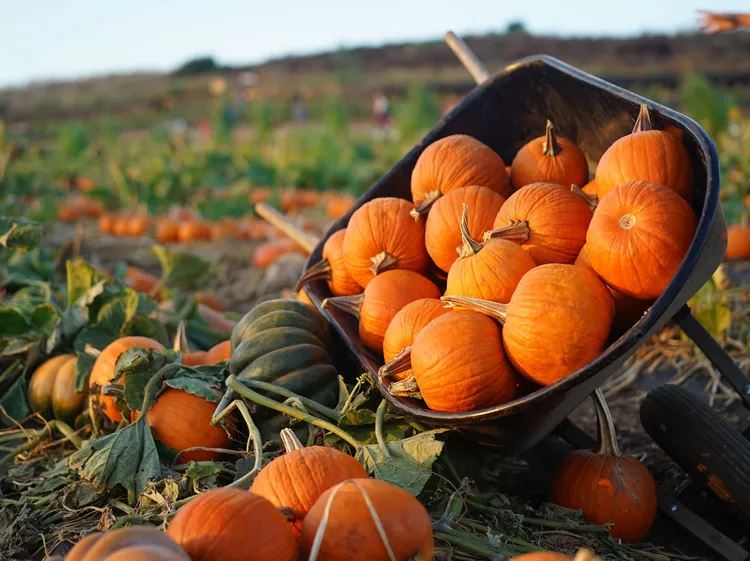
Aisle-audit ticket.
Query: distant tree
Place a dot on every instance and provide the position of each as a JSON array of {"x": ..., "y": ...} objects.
[
  {"x": 198, "y": 65},
  {"x": 516, "y": 26}
]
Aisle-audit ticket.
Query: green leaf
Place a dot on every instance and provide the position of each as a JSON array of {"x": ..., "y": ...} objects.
[
  {"x": 410, "y": 462},
  {"x": 146, "y": 327},
  {"x": 45, "y": 317},
  {"x": 98, "y": 339},
  {"x": 180, "y": 270},
  {"x": 196, "y": 386},
  {"x": 203, "y": 473},
  {"x": 19, "y": 233},
  {"x": 14, "y": 400},
  {"x": 135, "y": 367},
  {"x": 12, "y": 322},
  {"x": 127, "y": 457}
]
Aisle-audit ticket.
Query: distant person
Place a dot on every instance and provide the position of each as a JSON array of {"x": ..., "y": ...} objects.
[
  {"x": 299, "y": 111},
  {"x": 381, "y": 110},
  {"x": 713, "y": 22}
]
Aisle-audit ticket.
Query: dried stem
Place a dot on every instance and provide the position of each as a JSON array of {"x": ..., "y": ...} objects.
[
  {"x": 405, "y": 388},
  {"x": 349, "y": 304},
  {"x": 607, "y": 435},
  {"x": 470, "y": 245},
  {"x": 590, "y": 200},
  {"x": 225, "y": 406},
  {"x": 399, "y": 363},
  {"x": 424, "y": 206},
  {"x": 550, "y": 147},
  {"x": 379, "y": 420},
  {"x": 180, "y": 343},
  {"x": 91, "y": 350},
  {"x": 382, "y": 262},
  {"x": 290, "y": 440},
  {"x": 643, "y": 121},
  {"x": 311, "y": 404},
  {"x": 517, "y": 231},
  {"x": 493, "y": 309},
  {"x": 320, "y": 271}
]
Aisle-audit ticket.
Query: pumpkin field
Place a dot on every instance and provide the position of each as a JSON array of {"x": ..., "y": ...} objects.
[{"x": 219, "y": 342}]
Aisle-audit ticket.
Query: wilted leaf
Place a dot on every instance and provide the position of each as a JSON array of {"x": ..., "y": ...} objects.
[
  {"x": 19, "y": 232},
  {"x": 180, "y": 270},
  {"x": 82, "y": 277},
  {"x": 410, "y": 461},
  {"x": 195, "y": 386},
  {"x": 14, "y": 400},
  {"x": 135, "y": 367}
]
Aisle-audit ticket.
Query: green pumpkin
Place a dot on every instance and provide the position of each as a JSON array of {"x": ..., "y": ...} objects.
[
  {"x": 277, "y": 305},
  {"x": 261, "y": 342}
]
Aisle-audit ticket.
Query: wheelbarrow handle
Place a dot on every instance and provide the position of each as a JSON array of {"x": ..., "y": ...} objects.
[
  {"x": 467, "y": 57},
  {"x": 287, "y": 226}
]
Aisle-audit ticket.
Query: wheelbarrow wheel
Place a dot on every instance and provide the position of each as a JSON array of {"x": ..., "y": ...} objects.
[{"x": 711, "y": 450}]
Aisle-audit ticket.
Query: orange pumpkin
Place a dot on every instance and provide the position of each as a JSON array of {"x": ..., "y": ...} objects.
[
  {"x": 442, "y": 231},
  {"x": 166, "y": 230},
  {"x": 194, "y": 358},
  {"x": 549, "y": 159},
  {"x": 296, "y": 479},
  {"x": 456, "y": 161},
  {"x": 209, "y": 299},
  {"x": 383, "y": 297},
  {"x": 120, "y": 225},
  {"x": 607, "y": 486},
  {"x": 557, "y": 320},
  {"x": 220, "y": 352},
  {"x": 233, "y": 525},
  {"x": 52, "y": 389},
  {"x": 259, "y": 195},
  {"x": 332, "y": 268},
  {"x": 225, "y": 228},
  {"x": 106, "y": 223},
  {"x": 405, "y": 326},
  {"x": 268, "y": 252},
  {"x": 738, "y": 242},
  {"x": 134, "y": 543},
  {"x": 193, "y": 231},
  {"x": 381, "y": 235},
  {"x": 638, "y": 237},
  {"x": 103, "y": 372},
  {"x": 338, "y": 205},
  {"x": 181, "y": 420},
  {"x": 137, "y": 225},
  {"x": 646, "y": 154},
  {"x": 548, "y": 220},
  {"x": 140, "y": 280},
  {"x": 581, "y": 555},
  {"x": 343, "y": 518},
  {"x": 490, "y": 271}
]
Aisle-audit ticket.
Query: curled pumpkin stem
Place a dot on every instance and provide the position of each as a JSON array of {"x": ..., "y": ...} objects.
[
  {"x": 91, "y": 350},
  {"x": 643, "y": 121},
  {"x": 320, "y": 271},
  {"x": 495, "y": 310},
  {"x": 289, "y": 440},
  {"x": 517, "y": 231},
  {"x": 383, "y": 261},
  {"x": 470, "y": 245},
  {"x": 550, "y": 147},
  {"x": 590, "y": 200},
  {"x": 405, "y": 388},
  {"x": 423, "y": 207},
  {"x": 349, "y": 304},
  {"x": 607, "y": 435},
  {"x": 399, "y": 363},
  {"x": 180, "y": 343}
]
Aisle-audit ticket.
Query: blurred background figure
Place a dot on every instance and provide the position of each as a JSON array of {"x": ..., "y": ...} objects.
[
  {"x": 299, "y": 110},
  {"x": 381, "y": 110},
  {"x": 714, "y": 22}
]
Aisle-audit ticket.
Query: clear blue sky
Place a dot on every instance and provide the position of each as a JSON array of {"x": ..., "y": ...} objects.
[{"x": 42, "y": 39}]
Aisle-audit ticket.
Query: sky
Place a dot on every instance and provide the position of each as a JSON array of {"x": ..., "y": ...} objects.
[{"x": 62, "y": 39}]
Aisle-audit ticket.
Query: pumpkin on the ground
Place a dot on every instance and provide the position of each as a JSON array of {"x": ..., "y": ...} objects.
[
  {"x": 738, "y": 242},
  {"x": 638, "y": 236},
  {"x": 332, "y": 268},
  {"x": 267, "y": 253},
  {"x": 134, "y": 543},
  {"x": 607, "y": 486},
  {"x": 550, "y": 159},
  {"x": 233, "y": 525},
  {"x": 52, "y": 389},
  {"x": 347, "y": 519}
]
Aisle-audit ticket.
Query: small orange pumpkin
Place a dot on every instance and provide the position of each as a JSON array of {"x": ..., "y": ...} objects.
[
  {"x": 442, "y": 231},
  {"x": 209, "y": 299},
  {"x": 738, "y": 242},
  {"x": 233, "y": 525},
  {"x": 140, "y": 280},
  {"x": 549, "y": 159},
  {"x": 405, "y": 326},
  {"x": 381, "y": 235},
  {"x": 452, "y": 162},
  {"x": 52, "y": 389},
  {"x": 267, "y": 253},
  {"x": 607, "y": 486},
  {"x": 137, "y": 224},
  {"x": 166, "y": 230},
  {"x": 548, "y": 220},
  {"x": 134, "y": 543},
  {"x": 348, "y": 520},
  {"x": 638, "y": 236},
  {"x": 383, "y": 297},
  {"x": 338, "y": 205},
  {"x": 103, "y": 372},
  {"x": 193, "y": 231},
  {"x": 582, "y": 554},
  {"x": 220, "y": 352},
  {"x": 646, "y": 154},
  {"x": 106, "y": 223},
  {"x": 332, "y": 268},
  {"x": 295, "y": 480},
  {"x": 557, "y": 320},
  {"x": 489, "y": 271}
]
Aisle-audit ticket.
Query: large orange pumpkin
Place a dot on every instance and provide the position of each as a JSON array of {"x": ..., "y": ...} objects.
[
  {"x": 332, "y": 268},
  {"x": 134, "y": 543},
  {"x": 296, "y": 479},
  {"x": 549, "y": 159},
  {"x": 607, "y": 486},
  {"x": 548, "y": 220},
  {"x": 638, "y": 237},
  {"x": 443, "y": 232},
  {"x": 490, "y": 271},
  {"x": 646, "y": 154},
  {"x": 181, "y": 420},
  {"x": 381, "y": 236},
  {"x": 233, "y": 525},
  {"x": 383, "y": 297},
  {"x": 103, "y": 372},
  {"x": 349, "y": 518},
  {"x": 452, "y": 162},
  {"x": 458, "y": 363},
  {"x": 557, "y": 320},
  {"x": 738, "y": 242}
]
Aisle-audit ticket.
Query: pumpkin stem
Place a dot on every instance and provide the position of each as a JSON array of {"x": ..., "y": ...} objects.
[
  {"x": 180, "y": 343},
  {"x": 116, "y": 390},
  {"x": 290, "y": 440},
  {"x": 517, "y": 231},
  {"x": 424, "y": 206},
  {"x": 590, "y": 200},
  {"x": 493, "y": 309},
  {"x": 382, "y": 262},
  {"x": 349, "y": 304},
  {"x": 584, "y": 554},
  {"x": 91, "y": 350},
  {"x": 405, "y": 388},
  {"x": 643, "y": 122},
  {"x": 550, "y": 147},
  {"x": 607, "y": 435},
  {"x": 320, "y": 271},
  {"x": 470, "y": 245},
  {"x": 399, "y": 363}
]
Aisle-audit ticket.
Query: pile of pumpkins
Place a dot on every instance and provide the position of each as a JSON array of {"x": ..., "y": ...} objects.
[
  {"x": 494, "y": 280},
  {"x": 314, "y": 503}
]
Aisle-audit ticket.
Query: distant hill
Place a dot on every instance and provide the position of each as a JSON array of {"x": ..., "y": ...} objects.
[{"x": 354, "y": 74}]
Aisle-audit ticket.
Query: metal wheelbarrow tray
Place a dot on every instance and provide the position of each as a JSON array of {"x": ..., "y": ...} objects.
[{"x": 505, "y": 112}]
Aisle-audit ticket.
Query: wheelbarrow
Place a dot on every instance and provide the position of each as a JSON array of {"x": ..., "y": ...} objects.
[{"x": 504, "y": 111}]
